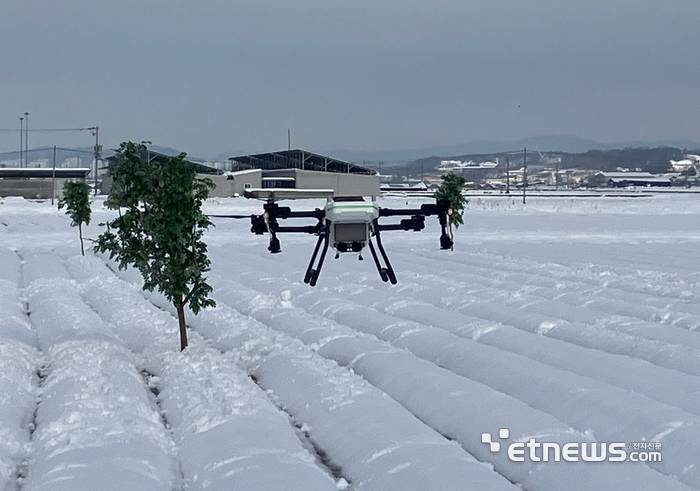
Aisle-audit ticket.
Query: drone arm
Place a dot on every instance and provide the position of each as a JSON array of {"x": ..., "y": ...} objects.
[
  {"x": 231, "y": 216},
  {"x": 390, "y": 212},
  {"x": 320, "y": 214},
  {"x": 415, "y": 223},
  {"x": 441, "y": 208},
  {"x": 274, "y": 211},
  {"x": 310, "y": 229}
]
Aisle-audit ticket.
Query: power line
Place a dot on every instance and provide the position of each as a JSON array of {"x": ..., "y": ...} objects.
[
  {"x": 48, "y": 149},
  {"x": 47, "y": 130},
  {"x": 75, "y": 150}
]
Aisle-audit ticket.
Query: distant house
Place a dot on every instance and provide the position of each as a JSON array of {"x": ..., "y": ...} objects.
[
  {"x": 625, "y": 179},
  {"x": 37, "y": 183},
  {"x": 238, "y": 182},
  {"x": 690, "y": 162}
]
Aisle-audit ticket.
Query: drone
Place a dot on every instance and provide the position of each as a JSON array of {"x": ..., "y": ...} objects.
[{"x": 348, "y": 224}]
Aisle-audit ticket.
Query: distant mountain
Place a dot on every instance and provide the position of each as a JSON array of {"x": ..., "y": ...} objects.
[
  {"x": 569, "y": 144},
  {"x": 563, "y": 144},
  {"x": 73, "y": 157}
]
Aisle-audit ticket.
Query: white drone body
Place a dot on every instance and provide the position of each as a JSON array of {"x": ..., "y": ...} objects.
[{"x": 349, "y": 222}]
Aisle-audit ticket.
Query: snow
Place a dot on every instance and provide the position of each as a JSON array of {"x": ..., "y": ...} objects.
[
  {"x": 566, "y": 319},
  {"x": 228, "y": 433},
  {"x": 20, "y": 362},
  {"x": 95, "y": 422}
]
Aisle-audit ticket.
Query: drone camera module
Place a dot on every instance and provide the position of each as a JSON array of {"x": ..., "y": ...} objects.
[{"x": 350, "y": 232}]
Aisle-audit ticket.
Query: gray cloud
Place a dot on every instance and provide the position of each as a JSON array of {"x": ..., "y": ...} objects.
[{"x": 215, "y": 76}]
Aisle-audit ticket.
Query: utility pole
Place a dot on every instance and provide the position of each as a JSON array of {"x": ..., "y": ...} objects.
[
  {"x": 96, "y": 134},
  {"x": 21, "y": 140},
  {"x": 556, "y": 175},
  {"x": 53, "y": 177},
  {"x": 26, "y": 139},
  {"x": 507, "y": 174},
  {"x": 289, "y": 139},
  {"x": 524, "y": 173}
]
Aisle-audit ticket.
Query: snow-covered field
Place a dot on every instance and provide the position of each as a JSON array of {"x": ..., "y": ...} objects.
[{"x": 567, "y": 320}]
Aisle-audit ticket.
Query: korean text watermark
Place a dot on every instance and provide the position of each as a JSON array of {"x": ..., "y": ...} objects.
[{"x": 536, "y": 451}]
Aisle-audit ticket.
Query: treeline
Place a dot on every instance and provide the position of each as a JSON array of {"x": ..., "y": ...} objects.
[{"x": 654, "y": 160}]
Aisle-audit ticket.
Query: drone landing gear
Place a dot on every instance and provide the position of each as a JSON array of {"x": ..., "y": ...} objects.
[
  {"x": 386, "y": 272},
  {"x": 312, "y": 273},
  {"x": 274, "y": 246}
]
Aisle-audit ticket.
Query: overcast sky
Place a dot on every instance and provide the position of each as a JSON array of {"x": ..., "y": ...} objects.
[{"x": 217, "y": 76}]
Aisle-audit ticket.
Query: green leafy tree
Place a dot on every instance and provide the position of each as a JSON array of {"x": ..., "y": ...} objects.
[
  {"x": 76, "y": 200},
  {"x": 451, "y": 188},
  {"x": 160, "y": 226}
]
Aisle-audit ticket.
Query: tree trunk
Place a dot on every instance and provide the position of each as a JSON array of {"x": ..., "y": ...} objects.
[
  {"x": 181, "y": 320},
  {"x": 80, "y": 231}
]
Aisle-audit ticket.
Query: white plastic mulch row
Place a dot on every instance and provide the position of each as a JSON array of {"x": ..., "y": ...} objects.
[
  {"x": 456, "y": 406},
  {"x": 670, "y": 347},
  {"x": 612, "y": 413},
  {"x": 229, "y": 436},
  {"x": 623, "y": 281},
  {"x": 96, "y": 426},
  {"x": 15, "y": 324},
  {"x": 635, "y": 305},
  {"x": 655, "y": 299},
  {"x": 664, "y": 385},
  {"x": 372, "y": 439},
  {"x": 20, "y": 362},
  {"x": 664, "y": 346}
]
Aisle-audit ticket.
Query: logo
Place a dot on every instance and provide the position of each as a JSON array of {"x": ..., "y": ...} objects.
[{"x": 537, "y": 451}]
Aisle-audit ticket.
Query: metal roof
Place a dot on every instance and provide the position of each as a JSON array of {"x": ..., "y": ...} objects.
[
  {"x": 626, "y": 175},
  {"x": 151, "y": 156},
  {"x": 44, "y": 172},
  {"x": 299, "y": 159},
  {"x": 287, "y": 193}
]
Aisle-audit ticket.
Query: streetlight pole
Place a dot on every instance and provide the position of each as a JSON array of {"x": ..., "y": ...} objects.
[
  {"x": 507, "y": 174},
  {"x": 53, "y": 177},
  {"x": 96, "y": 133},
  {"x": 21, "y": 140},
  {"x": 524, "y": 173},
  {"x": 26, "y": 139}
]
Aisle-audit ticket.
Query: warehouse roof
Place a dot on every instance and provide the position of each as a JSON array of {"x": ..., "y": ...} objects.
[
  {"x": 43, "y": 172},
  {"x": 298, "y": 159},
  {"x": 151, "y": 156}
]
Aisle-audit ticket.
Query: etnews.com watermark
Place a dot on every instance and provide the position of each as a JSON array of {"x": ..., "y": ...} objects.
[{"x": 576, "y": 451}]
